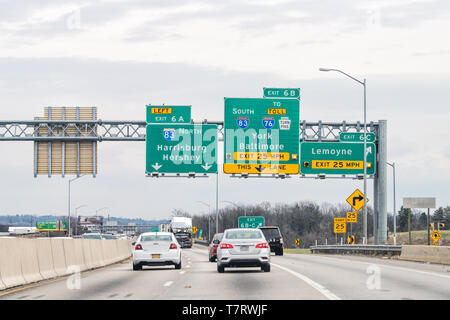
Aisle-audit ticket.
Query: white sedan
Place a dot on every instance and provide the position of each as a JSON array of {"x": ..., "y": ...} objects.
[
  {"x": 243, "y": 248},
  {"x": 156, "y": 249}
]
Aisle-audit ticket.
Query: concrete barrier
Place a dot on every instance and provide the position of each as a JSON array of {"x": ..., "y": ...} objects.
[
  {"x": 59, "y": 259},
  {"x": 124, "y": 247},
  {"x": 108, "y": 251},
  {"x": 29, "y": 260},
  {"x": 97, "y": 252},
  {"x": 10, "y": 263},
  {"x": 87, "y": 253},
  {"x": 426, "y": 254},
  {"x": 24, "y": 261},
  {"x": 45, "y": 258},
  {"x": 79, "y": 255}
]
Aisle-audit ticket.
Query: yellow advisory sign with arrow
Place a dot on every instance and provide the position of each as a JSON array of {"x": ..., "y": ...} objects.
[
  {"x": 194, "y": 229},
  {"x": 356, "y": 200}
]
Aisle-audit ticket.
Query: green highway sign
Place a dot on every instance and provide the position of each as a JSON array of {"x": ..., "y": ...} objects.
[
  {"x": 250, "y": 222},
  {"x": 181, "y": 148},
  {"x": 356, "y": 137},
  {"x": 155, "y": 229},
  {"x": 282, "y": 93},
  {"x": 51, "y": 225},
  {"x": 261, "y": 135},
  {"x": 336, "y": 158},
  {"x": 168, "y": 114}
]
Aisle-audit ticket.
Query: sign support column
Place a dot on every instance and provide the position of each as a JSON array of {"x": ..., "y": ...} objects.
[
  {"x": 217, "y": 202},
  {"x": 381, "y": 178}
]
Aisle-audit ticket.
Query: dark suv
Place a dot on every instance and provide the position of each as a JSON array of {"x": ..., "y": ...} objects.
[{"x": 274, "y": 238}]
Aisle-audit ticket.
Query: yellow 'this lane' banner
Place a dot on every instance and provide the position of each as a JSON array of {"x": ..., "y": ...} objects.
[{"x": 260, "y": 168}]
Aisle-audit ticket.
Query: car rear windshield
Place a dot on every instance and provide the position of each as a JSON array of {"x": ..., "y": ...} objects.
[
  {"x": 247, "y": 234},
  {"x": 219, "y": 237},
  {"x": 156, "y": 237},
  {"x": 91, "y": 236},
  {"x": 271, "y": 233}
]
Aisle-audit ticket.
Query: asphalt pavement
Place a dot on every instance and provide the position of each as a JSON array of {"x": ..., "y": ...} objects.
[{"x": 292, "y": 277}]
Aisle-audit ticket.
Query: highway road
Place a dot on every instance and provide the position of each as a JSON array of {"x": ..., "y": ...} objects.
[{"x": 293, "y": 276}]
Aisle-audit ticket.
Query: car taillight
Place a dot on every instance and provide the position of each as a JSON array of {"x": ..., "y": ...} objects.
[
  {"x": 138, "y": 247},
  {"x": 225, "y": 246},
  {"x": 262, "y": 245},
  {"x": 281, "y": 240},
  {"x": 173, "y": 246}
]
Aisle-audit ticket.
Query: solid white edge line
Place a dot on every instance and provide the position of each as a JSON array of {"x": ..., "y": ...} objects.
[
  {"x": 327, "y": 293},
  {"x": 168, "y": 283},
  {"x": 381, "y": 264}
]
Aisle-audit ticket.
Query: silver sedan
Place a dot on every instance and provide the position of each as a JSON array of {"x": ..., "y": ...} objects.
[{"x": 243, "y": 248}]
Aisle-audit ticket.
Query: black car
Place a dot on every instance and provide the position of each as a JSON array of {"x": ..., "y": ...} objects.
[{"x": 275, "y": 239}]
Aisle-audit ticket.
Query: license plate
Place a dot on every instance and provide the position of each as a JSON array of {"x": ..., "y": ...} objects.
[
  {"x": 244, "y": 248},
  {"x": 156, "y": 256}
]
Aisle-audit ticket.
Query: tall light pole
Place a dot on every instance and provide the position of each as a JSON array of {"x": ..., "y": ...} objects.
[
  {"x": 70, "y": 180},
  {"x": 209, "y": 218},
  {"x": 234, "y": 204},
  {"x": 76, "y": 216},
  {"x": 395, "y": 212},
  {"x": 365, "y": 148}
]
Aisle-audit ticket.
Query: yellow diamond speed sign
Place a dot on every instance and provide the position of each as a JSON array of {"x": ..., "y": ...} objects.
[
  {"x": 356, "y": 200},
  {"x": 194, "y": 229},
  {"x": 340, "y": 225}
]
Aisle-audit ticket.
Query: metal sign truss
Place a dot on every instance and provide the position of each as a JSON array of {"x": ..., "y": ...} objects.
[{"x": 98, "y": 130}]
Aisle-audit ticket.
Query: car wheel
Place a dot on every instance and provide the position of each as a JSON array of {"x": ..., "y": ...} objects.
[
  {"x": 212, "y": 259},
  {"x": 220, "y": 269},
  {"x": 266, "y": 268},
  {"x": 137, "y": 267},
  {"x": 279, "y": 252},
  {"x": 178, "y": 266}
]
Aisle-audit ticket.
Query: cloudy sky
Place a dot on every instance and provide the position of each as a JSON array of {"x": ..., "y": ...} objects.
[{"x": 121, "y": 55}]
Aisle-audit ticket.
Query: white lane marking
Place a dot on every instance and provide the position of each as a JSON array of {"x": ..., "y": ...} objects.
[
  {"x": 327, "y": 293},
  {"x": 182, "y": 272},
  {"x": 387, "y": 266},
  {"x": 168, "y": 283},
  {"x": 188, "y": 266}
]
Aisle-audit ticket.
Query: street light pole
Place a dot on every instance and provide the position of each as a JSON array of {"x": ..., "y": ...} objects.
[
  {"x": 70, "y": 180},
  {"x": 234, "y": 204},
  {"x": 395, "y": 212},
  {"x": 365, "y": 148}
]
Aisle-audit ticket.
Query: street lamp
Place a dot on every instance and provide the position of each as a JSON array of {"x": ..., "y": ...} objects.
[
  {"x": 76, "y": 217},
  {"x": 395, "y": 213},
  {"x": 365, "y": 147},
  {"x": 70, "y": 180},
  {"x": 209, "y": 218},
  {"x": 234, "y": 204}
]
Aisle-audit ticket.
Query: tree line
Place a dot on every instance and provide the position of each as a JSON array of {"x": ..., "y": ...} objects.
[{"x": 309, "y": 221}]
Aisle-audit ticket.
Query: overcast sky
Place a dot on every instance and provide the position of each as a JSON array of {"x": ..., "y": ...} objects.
[{"x": 121, "y": 55}]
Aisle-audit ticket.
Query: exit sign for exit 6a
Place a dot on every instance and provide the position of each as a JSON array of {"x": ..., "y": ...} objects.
[{"x": 168, "y": 114}]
